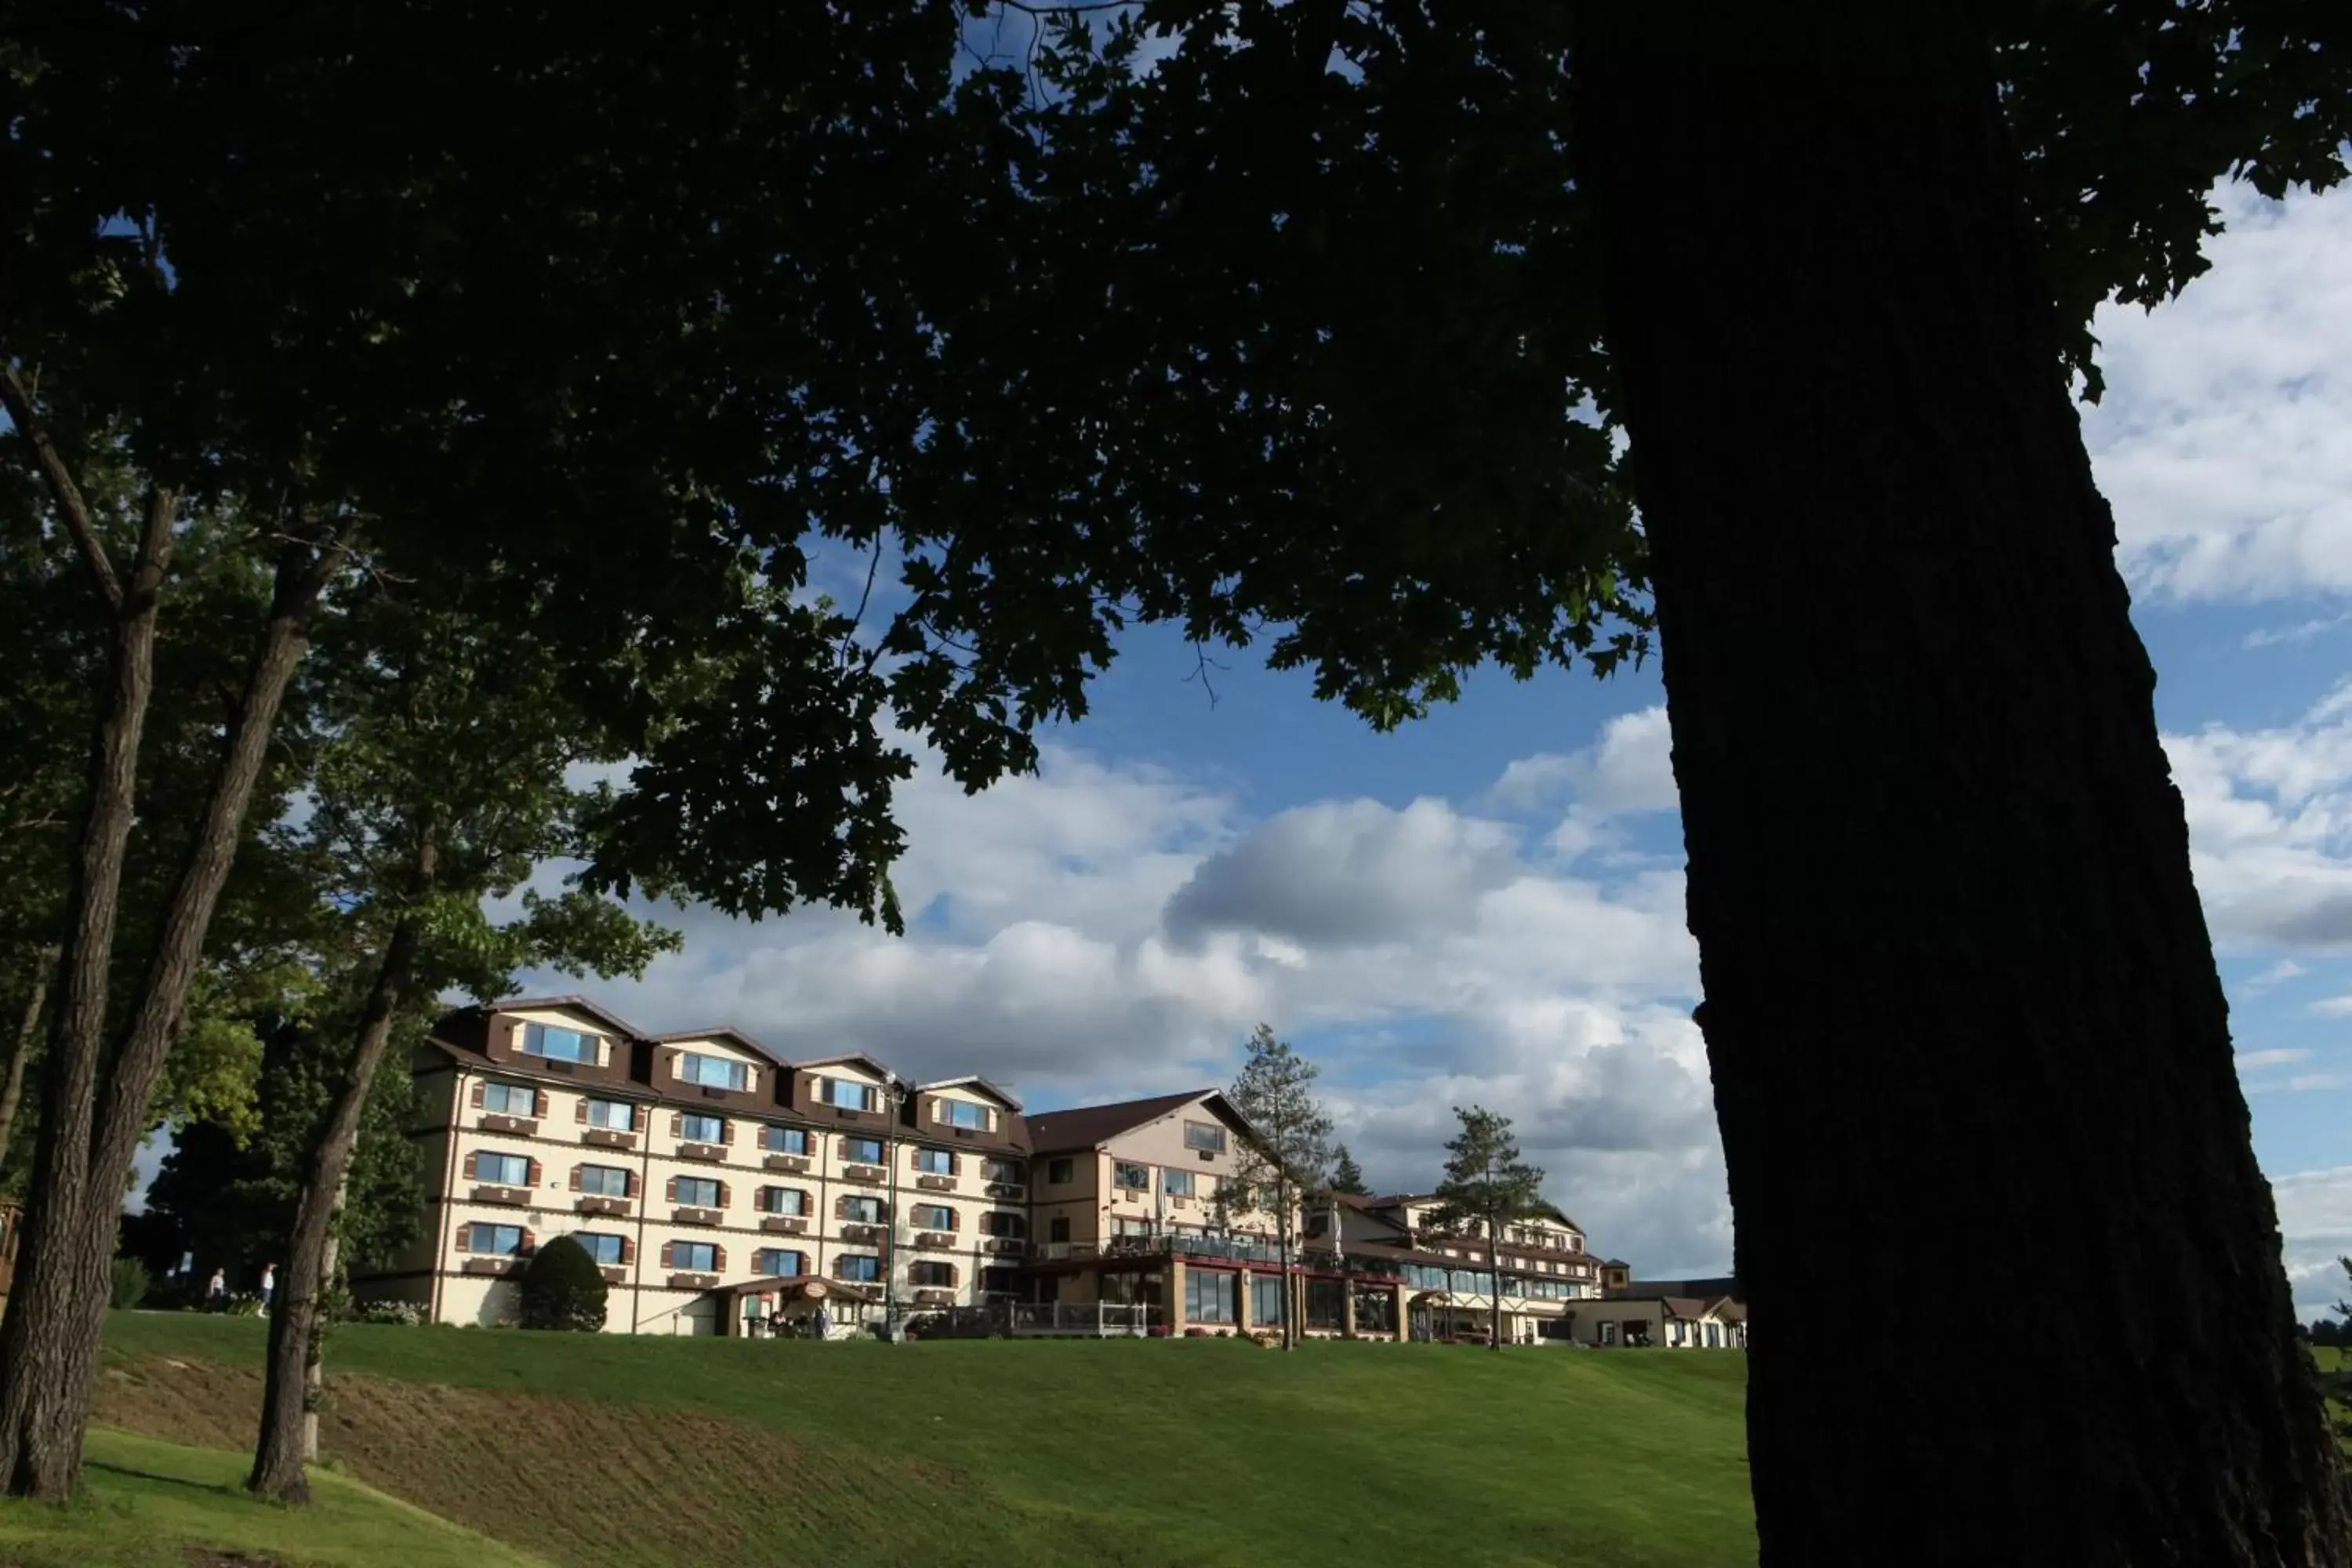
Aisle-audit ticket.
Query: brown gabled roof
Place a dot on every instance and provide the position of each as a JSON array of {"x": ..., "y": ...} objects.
[
  {"x": 1689, "y": 1308},
  {"x": 973, "y": 1080},
  {"x": 606, "y": 1016},
  {"x": 877, "y": 1063},
  {"x": 1090, "y": 1126},
  {"x": 722, "y": 1032}
]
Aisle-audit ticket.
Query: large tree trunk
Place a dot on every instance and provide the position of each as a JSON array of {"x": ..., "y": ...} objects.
[
  {"x": 49, "y": 1347},
  {"x": 61, "y": 1275},
  {"x": 1960, "y": 1003},
  {"x": 293, "y": 1378},
  {"x": 12, "y": 1089}
]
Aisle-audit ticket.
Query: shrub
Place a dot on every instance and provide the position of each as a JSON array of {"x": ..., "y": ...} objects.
[
  {"x": 563, "y": 1288},
  {"x": 130, "y": 1282},
  {"x": 406, "y": 1314}
]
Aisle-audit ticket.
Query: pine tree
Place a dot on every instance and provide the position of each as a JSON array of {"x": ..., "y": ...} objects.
[
  {"x": 1286, "y": 1158},
  {"x": 1487, "y": 1186}
]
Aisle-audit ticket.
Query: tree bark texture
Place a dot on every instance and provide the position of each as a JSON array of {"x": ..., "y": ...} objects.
[
  {"x": 293, "y": 1377},
  {"x": 1961, "y": 1010},
  {"x": 48, "y": 1346},
  {"x": 62, "y": 1278},
  {"x": 12, "y": 1089}
]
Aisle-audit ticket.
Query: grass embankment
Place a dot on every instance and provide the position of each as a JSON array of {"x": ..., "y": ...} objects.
[
  {"x": 149, "y": 1502},
  {"x": 617, "y": 1450}
]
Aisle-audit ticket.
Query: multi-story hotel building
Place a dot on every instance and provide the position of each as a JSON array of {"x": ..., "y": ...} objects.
[{"x": 717, "y": 1182}]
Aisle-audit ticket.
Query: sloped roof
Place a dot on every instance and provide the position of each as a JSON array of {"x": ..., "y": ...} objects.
[
  {"x": 605, "y": 1016},
  {"x": 1089, "y": 1126},
  {"x": 877, "y": 1063},
  {"x": 722, "y": 1032},
  {"x": 973, "y": 1080}
]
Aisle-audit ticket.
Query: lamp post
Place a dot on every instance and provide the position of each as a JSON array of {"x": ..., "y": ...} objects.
[{"x": 897, "y": 1091}]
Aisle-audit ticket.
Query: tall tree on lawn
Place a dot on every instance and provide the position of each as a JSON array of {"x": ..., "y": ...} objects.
[
  {"x": 1347, "y": 1176},
  {"x": 1286, "y": 1160},
  {"x": 1487, "y": 1186}
]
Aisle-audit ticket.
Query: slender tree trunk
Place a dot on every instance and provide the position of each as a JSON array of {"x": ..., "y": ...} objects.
[
  {"x": 1960, "y": 1003},
  {"x": 61, "y": 1277},
  {"x": 12, "y": 1091},
  {"x": 293, "y": 1374},
  {"x": 314, "y": 1370},
  {"x": 48, "y": 1348},
  {"x": 1494, "y": 1283}
]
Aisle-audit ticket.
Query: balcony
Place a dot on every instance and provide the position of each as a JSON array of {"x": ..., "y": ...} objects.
[
  {"x": 797, "y": 1164},
  {"x": 931, "y": 1295},
  {"x": 500, "y": 1121},
  {"x": 1226, "y": 1248},
  {"x": 933, "y": 1184},
  {"x": 689, "y": 1216},
  {"x": 784, "y": 1224},
  {"x": 713, "y": 1152},
  {"x": 871, "y": 1175},
  {"x": 494, "y": 1266},
  {"x": 597, "y": 1204},
  {"x": 1014, "y": 1192},
  {"x": 693, "y": 1281},
  {"x": 858, "y": 1231},
  {"x": 608, "y": 1138},
  {"x": 512, "y": 1197},
  {"x": 934, "y": 1241}
]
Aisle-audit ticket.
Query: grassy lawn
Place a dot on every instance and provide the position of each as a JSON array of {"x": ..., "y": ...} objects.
[
  {"x": 148, "y": 1502},
  {"x": 612, "y": 1449}
]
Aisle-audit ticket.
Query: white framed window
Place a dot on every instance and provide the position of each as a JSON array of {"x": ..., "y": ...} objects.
[
  {"x": 559, "y": 1045},
  {"x": 713, "y": 1072}
]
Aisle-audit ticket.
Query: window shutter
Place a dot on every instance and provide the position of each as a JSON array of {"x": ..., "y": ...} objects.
[
  {"x": 628, "y": 1250},
  {"x": 575, "y": 1178},
  {"x": 465, "y": 1238},
  {"x": 954, "y": 1275},
  {"x": 476, "y": 1096},
  {"x": 535, "y": 1106},
  {"x": 722, "y": 1194},
  {"x": 955, "y": 1164},
  {"x": 676, "y": 1125},
  {"x": 872, "y": 1098},
  {"x": 580, "y": 1110},
  {"x": 472, "y": 1170},
  {"x": 955, "y": 1220},
  {"x": 532, "y": 1173},
  {"x": 841, "y": 1207},
  {"x": 670, "y": 1192},
  {"x": 628, "y": 1183},
  {"x": 530, "y": 1242},
  {"x": 719, "y": 1259},
  {"x": 727, "y": 1131},
  {"x": 824, "y": 1090},
  {"x": 677, "y": 1064},
  {"x": 666, "y": 1255}
]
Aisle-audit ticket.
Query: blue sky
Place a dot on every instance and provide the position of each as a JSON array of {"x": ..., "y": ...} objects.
[{"x": 1488, "y": 906}]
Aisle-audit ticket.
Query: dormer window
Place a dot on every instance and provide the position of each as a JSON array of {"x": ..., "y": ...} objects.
[
  {"x": 848, "y": 1094},
  {"x": 965, "y": 1114},
  {"x": 713, "y": 1072},
  {"x": 558, "y": 1045}
]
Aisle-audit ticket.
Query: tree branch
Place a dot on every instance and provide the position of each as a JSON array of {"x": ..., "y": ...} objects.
[{"x": 71, "y": 504}]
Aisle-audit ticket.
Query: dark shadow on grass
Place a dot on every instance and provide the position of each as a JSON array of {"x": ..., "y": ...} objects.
[{"x": 216, "y": 1488}]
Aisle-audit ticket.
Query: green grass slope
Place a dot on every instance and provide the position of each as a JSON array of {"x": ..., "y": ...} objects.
[
  {"x": 151, "y": 1502},
  {"x": 617, "y": 1450}
]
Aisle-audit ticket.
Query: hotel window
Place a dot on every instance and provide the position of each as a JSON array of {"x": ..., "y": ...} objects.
[
  {"x": 1177, "y": 1183},
  {"x": 503, "y": 1239},
  {"x": 934, "y": 1162},
  {"x": 1134, "y": 1177},
  {"x": 609, "y": 1251},
  {"x": 776, "y": 1261},
  {"x": 784, "y": 1140},
  {"x": 861, "y": 1150},
  {"x": 994, "y": 1222},
  {"x": 614, "y": 1115},
  {"x": 934, "y": 1216},
  {"x": 862, "y": 1211},
  {"x": 1266, "y": 1300},
  {"x": 605, "y": 1181},
  {"x": 558, "y": 1045},
  {"x": 713, "y": 1072},
  {"x": 694, "y": 1256},
  {"x": 1000, "y": 1170},
  {"x": 509, "y": 1100},
  {"x": 1204, "y": 1135},
  {"x": 1327, "y": 1304},
  {"x": 1122, "y": 1224},
  {"x": 847, "y": 1094},
  {"x": 1058, "y": 1228},
  {"x": 964, "y": 1114},
  {"x": 859, "y": 1265},
  {"x": 1208, "y": 1296},
  {"x": 698, "y": 1129},
  {"x": 502, "y": 1170},
  {"x": 931, "y": 1273},
  {"x": 694, "y": 1192},
  {"x": 1061, "y": 1172},
  {"x": 783, "y": 1200}
]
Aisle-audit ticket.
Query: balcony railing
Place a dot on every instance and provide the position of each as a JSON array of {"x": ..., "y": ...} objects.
[
  {"x": 1108, "y": 1319},
  {"x": 1224, "y": 1248}
]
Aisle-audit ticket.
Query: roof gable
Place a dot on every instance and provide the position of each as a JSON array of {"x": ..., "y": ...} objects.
[
  {"x": 880, "y": 1070},
  {"x": 1090, "y": 1126},
  {"x": 611, "y": 1020},
  {"x": 725, "y": 1034},
  {"x": 975, "y": 1084}
]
